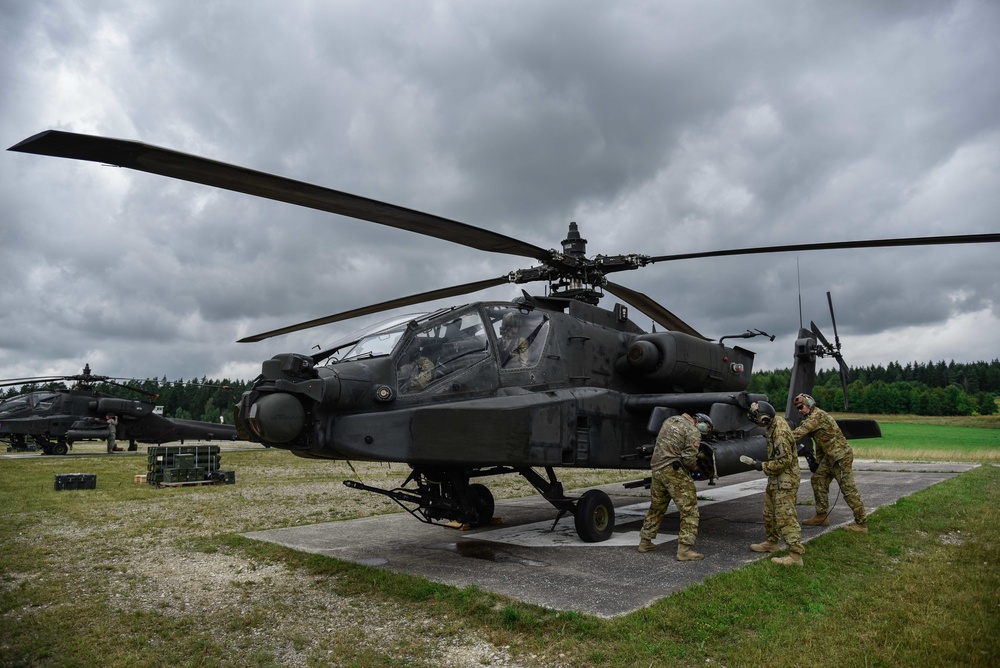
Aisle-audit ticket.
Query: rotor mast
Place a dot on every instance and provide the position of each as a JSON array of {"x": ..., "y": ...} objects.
[
  {"x": 572, "y": 275},
  {"x": 581, "y": 282}
]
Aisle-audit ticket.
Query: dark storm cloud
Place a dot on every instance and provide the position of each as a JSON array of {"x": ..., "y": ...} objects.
[{"x": 659, "y": 127}]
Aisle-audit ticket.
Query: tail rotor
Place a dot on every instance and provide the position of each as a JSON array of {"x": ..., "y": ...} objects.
[{"x": 826, "y": 349}]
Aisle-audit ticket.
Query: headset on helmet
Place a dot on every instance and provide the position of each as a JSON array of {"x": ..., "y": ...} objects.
[
  {"x": 804, "y": 399},
  {"x": 762, "y": 413},
  {"x": 704, "y": 423},
  {"x": 510, "y": 321}
]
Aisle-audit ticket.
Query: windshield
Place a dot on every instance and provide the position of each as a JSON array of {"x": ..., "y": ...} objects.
[
  {"x": 520, "y": 335},
  {"x": 442, "y": 347},
  {"x": 377, "y": 339},
  {"x": 379, "y": 343},
  {"x": 44, "y": 402},
  {"x": 11, "y": 406}
]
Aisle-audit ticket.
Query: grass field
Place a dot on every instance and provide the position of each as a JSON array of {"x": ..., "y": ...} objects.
[
  {"x": 128, "y": 575},
  {"x": 931, "y": 442}
]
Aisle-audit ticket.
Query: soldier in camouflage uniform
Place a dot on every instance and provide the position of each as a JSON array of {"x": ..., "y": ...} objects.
[
  {"x": 835, "y": 458},
  {"x": 416, "y": 371},
  {"x": 782, "y": 469},
  {"x": 674, "y": 458},
  {"x": 112, "y": 421}
]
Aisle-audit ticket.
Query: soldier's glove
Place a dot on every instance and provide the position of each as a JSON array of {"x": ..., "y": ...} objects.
[
  {"x": 755, "y": 463},
  {"x": 810, "y": 458}
]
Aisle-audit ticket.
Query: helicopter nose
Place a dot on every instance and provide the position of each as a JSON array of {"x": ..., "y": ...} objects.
[{"x": 276, "y": 417}]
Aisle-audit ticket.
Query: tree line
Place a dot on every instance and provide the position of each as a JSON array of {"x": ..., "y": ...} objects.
[{"x": 934, "y": 388}]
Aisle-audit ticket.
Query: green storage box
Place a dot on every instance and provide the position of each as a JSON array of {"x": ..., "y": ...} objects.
[{"x": 75, "y": 481}]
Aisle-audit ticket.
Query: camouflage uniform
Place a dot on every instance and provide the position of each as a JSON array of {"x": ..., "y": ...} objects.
[
  {"x": 835, "y": 458},
  {"x": 112, "y": 432},
  {"x": 675, "y": 455},
  {"x": 782, "y": 469},
  {"x": 514, "y": 349},
  {"x": 417, "y": 374}
]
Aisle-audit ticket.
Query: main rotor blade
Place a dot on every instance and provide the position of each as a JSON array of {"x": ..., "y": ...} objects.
[
  {"x": 647, "y": 305},
  {"x": 384, "y": 306},
  {"x": 166, "y": 162},
  {"x": 835, "y": 245},
  {"x": 9, "y": 382},
  {"x": 151, "y": 395}
]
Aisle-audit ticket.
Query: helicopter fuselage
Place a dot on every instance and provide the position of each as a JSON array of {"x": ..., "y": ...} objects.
[
  {"x": 574, "y": 385},
  {"x": 58, "y": 418}
]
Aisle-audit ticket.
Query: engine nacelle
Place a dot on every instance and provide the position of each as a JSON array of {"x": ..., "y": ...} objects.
[{"x": 688, "y": 363}]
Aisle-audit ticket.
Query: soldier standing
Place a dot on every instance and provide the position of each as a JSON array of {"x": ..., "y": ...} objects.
[
  {"x": 835, "y": 458},
  {"x": 674, "y": 459},
  {"x": 112, "y": 432},
  {"x": 782, "y": 469}
]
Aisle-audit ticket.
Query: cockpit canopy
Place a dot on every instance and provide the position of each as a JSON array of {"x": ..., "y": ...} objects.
[
  {"x": 39, "y": 402},
  {"x": 429, "y": 347}
]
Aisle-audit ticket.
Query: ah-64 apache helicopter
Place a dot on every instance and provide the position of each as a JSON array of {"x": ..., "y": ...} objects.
[
  {"x": 52, "y": 420},
  {"x": 492, "y": 388}
]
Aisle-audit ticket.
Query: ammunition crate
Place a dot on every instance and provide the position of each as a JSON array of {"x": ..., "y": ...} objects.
[
  {"x": 76, "y": 481},
  {"x": 194, "y": 474},
  {"x": 184, "y": 460},
  {"x": 181, "y": 463},
  {"x": 225, "y": 477}
]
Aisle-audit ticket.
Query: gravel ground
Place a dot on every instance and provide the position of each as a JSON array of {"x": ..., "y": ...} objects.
[{"x": 142, "y": 556}]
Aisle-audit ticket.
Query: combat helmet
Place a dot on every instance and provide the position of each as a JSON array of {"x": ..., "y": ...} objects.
[
  {"x": 761, "y": 413},
  {"x": 704, "y": 423}
]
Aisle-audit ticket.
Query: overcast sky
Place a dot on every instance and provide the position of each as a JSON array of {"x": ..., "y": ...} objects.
[{"x": 660, "y": 127}]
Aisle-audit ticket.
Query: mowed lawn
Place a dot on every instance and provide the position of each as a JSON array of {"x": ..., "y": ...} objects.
[{"x": 933, "y": 442}]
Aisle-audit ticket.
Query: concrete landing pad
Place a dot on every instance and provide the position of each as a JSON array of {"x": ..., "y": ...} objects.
[{"x": 527, "y": 558}]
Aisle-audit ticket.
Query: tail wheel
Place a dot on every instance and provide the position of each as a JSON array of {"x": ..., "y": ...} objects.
[
  {"x": 482, "y": 502},
  {"x": 595, "y": 516}
]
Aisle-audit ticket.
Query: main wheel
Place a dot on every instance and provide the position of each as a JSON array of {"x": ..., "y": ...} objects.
[
  {"x": 60, "y": 448},
  {"x": 482, "y": 502},
  {"x": 595, "y": 516}
]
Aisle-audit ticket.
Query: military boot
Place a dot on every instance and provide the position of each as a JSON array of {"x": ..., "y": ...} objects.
[
  {"x": 792, "y": 559},
  {"x": 857, "y": 528},
  {"x": 817, "y": 521},
  {"x": 646, "y": 545},
  {"x": 685, "y": 553},
  {"x": 766, "y": 546}
]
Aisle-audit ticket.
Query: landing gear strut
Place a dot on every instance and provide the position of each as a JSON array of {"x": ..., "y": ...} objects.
[
  {"x": 435, "y": 495},
  {"x": 593, "y": 513},
  {"x": 50, "y": 447},
  {"x": 440, "y": 495}
]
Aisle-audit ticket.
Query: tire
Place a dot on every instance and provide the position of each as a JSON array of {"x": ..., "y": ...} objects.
[
  {"x": 482, "y": 502},
  {"x": 595, "y": 516},
  {"x": 60, "y": 449}
]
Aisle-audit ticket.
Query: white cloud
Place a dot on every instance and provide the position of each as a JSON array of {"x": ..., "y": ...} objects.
[{"x": 659, "y": 127}]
